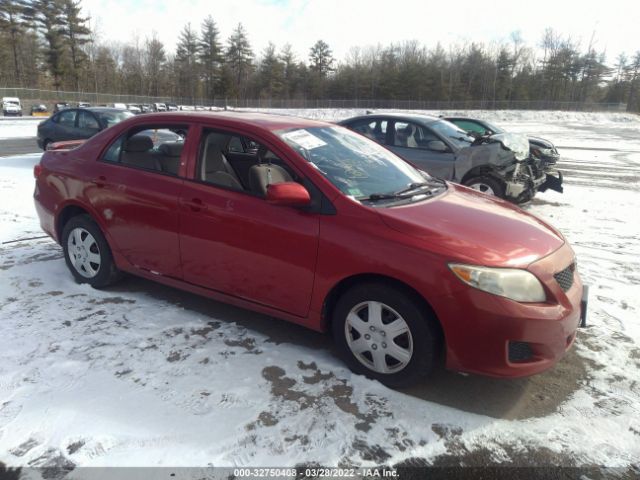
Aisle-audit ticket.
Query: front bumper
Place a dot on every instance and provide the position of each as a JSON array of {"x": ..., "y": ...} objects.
[
  {"x": 480, "y": 327},
  {"x": 552, "y": 183}
]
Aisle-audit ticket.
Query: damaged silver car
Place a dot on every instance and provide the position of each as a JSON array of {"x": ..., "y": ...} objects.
[{"x": 499, "y": 165}]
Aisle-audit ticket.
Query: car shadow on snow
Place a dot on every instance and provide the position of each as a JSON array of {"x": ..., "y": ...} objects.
[{"x": 535, "y": 396}]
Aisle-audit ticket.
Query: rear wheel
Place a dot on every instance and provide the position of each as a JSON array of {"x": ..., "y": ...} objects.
[
  {"x": 87, "y": 253},
  {"x": 487, "y": 185},
  {"x": 385, "y": 334}
]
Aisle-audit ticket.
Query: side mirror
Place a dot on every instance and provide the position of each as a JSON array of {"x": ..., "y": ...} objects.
[
  {"x": 288, "y": 194},
  {"x": 437, "y": 146}
]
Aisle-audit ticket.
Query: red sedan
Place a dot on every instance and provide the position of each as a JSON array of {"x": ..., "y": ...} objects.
[{"x": 315, "y": 224}]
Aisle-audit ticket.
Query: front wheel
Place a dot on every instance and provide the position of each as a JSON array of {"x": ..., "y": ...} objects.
[
  {"x": 487, "y": 185},
  {"x": 87, "y": 253},
  {"x": 385, "y": 334}
]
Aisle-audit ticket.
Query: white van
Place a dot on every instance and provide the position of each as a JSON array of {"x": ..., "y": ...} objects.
[{"x": 11, "y": 106}]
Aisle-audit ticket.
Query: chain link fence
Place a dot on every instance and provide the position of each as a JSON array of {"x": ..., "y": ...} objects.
[{"x": 31, "y": 97}]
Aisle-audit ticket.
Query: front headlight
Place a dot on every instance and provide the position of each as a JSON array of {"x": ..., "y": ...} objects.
[
  {"x": 546, "y": 151},
  {"x": 516, "y": 284}
]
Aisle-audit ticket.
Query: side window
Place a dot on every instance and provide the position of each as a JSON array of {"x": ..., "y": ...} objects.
[
  {"x": 376, "y": 130},
  {"x": 411, "y": 135},
  {"x": 251, "y": 173},
  {"x": 156, "y": 148},
  {"x": 87, "y": 120},
  {"x": 468, "y": 126},
  {"x": 67, "y": 118},
  {"x": 113, "y": 152}
]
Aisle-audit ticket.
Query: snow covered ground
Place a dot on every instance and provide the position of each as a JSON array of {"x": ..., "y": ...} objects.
[
  {"x": 144, "y": 375},
  {"x": 12, "y": 127}
]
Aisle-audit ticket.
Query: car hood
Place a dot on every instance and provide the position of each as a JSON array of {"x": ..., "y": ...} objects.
[
  {"x": 540, "y": 142},
  {"x": 476, "y": 228}
]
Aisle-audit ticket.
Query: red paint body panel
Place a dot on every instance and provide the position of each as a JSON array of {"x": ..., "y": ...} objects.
[{"x": 284, "y": 261}]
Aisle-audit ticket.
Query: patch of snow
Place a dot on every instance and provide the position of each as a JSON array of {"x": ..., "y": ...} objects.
[{"x": 19, "y": 127}]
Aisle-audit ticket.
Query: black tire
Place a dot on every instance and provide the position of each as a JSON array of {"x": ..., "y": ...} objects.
[
  {"x": 107, "y": 272},
  {"x": 494, "y": 184},
  {"x": 425, "y": 336}
]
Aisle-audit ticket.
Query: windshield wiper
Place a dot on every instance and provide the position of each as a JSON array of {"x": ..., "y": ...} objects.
[
  {"x": 408, "y": 192},
  {"x": 412, "y": 187}
]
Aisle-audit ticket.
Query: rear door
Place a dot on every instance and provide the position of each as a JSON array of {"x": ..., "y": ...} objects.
[
  {"x": 136, "y": 193},
  {"x": 65, "y": 126},
  {"x": 87, "y": 124},
  {"x": 233, "y": 241},
  {"x": 411, "y": 141}
]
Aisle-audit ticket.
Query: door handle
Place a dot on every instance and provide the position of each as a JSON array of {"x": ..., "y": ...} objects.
[{"x": 195, "y": 204}]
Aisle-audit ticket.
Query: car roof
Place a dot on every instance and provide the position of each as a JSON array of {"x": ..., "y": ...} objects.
[
  {"x": 261, "y": 120},
  {"x": 471, "y": 119},
  {"x": 407, "y": 117},
  {"x": 104, "y": 109}
]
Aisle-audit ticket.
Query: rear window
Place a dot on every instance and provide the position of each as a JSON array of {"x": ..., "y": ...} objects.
[{"x": 109, "y": 119}]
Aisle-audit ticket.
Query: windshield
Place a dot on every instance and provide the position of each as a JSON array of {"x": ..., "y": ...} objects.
[
  {"x": 455, "y": 135},
  {"x": 493, "y": 128},
  {"x": 109, "y": 119},
  {"x": 356, "y": 165}
]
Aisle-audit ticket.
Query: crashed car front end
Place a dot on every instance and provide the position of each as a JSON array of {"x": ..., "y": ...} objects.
[
  {"x": 545, "y": 151},
  {"x": 506, "y": 158}
]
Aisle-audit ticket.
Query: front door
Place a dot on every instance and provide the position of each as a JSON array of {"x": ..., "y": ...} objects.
[
  {"x": 233, "y": 241},
  {"x": 411, "y": 142}
]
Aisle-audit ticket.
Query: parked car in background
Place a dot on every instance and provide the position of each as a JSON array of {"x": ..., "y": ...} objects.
[
  {"x": 159, "y": 107},
  {"x": 171, "y": 107},
  {"x": 78, "y": 124},
  {"x": 84, "y": 104},
  {"x": 543, "y": 149},
  {"x": 39, "y": 110},
  {"x": 60, "y": 106},
  {"x": 499, "y": 165},
  {"x": 11, "y": 107},
  {"x": 146, "y": 108},
  {"x": 135, "y": 109}
]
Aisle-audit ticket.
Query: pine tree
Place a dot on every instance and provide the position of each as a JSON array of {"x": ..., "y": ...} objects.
[
  {"x": 210, "y": 56},
  {"x": 321, "y": 58},
  {"x": 187, "y": 63},
  {"x": 271, "y": 71},
  {"x": 154, "y": 59},
  {"x": 291, "y": 73},
  {"x": 76, "y": 35},
  {"x": 239, "y": 59},
  {"x": 48, "y": 16},
  {"x": 12, "y": 24}
]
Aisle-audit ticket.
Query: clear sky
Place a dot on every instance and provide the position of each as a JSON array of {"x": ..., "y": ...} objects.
[{"x": 346, "y": 23}]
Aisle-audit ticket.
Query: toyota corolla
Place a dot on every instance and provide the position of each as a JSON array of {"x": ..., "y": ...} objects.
[{"x": 315, "y": 224}]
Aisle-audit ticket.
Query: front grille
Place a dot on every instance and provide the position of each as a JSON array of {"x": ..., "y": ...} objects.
[
  {"x": 519, "y": 352},
  {"x": 565, "y": 277}
]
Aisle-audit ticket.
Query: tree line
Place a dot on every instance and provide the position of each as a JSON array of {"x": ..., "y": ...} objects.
[{"x": 48, "y": 44}]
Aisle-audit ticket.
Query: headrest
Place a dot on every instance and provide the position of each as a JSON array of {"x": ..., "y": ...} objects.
[
  {"x": 171, "y": 149},
  {"x": 138, "y": 143},
  {"x": 265, "y": 155}
]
